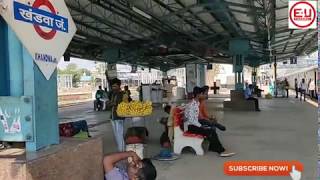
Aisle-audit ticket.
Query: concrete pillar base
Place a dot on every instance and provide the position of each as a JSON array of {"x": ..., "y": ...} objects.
[{"x": 71, "y": 160}]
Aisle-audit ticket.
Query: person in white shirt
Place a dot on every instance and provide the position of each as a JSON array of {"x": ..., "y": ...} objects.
[
  {"x": 191, "y": 114},
  {"x": 303, "y": 88},
  {"x": 312, "y": 88}
]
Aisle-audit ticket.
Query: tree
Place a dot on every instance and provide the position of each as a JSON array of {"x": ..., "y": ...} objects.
[
  {"x": 72, "y": 67},
  {"x": 76, "y": 73},
  {"x": 85, "y": 71}
]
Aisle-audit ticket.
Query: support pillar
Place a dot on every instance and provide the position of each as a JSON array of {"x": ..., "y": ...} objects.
[
  {"x": 28, "y": 102},
  {"x": 254, "y": 76},
  {"x": 238, "y": 70},
  {"x": 275, "y": 77},
  {"x": 239, "y": 49},
  {"x": 201, "y": 75}
]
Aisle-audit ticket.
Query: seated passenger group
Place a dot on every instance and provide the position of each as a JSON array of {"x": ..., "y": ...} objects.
[{"x": 198, "y": 122}]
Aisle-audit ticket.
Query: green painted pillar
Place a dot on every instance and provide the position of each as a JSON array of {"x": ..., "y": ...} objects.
[
  {"x": 202, "y": 75},
  {"x": 239, "y": 49},
  {"x": 275, "y": 76},
  {"x": 28, "y": 102},
  {"x": 254, "y": 76}
]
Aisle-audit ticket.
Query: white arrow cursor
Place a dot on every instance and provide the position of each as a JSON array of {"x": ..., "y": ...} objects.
[{"x": 295, "y": 175}]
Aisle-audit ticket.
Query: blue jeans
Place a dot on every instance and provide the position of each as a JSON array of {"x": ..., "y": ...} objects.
[{"x": 118, "y": 131}]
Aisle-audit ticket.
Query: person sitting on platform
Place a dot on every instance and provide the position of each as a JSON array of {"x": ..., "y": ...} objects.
[
  {"x": 194, "y": 126},
  {"x": 206, "y": 91},
  {"x": 248, "y": 96},
  {"x": 98, "y": 103},
  {"x": 167, "y": 136},
  {"x": 204, "y": 117},
  {"x": 128, "y": 166}
]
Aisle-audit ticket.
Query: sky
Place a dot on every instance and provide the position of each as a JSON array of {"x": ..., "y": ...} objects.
[{"x": 90, "y": 65}]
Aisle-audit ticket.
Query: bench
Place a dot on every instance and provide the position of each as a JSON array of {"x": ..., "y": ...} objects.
[
  {"x": 238, "y": 102},
  {"x": 239, "y": 105},
  {"x": 184, "y": 139}
]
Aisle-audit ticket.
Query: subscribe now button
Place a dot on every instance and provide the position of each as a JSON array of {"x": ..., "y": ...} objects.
[{"x": 262, "y": 168}]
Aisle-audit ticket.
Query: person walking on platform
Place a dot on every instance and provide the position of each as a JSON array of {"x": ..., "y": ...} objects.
[
  {"x": 303, "y": 87},
  {"x": 312, "y": 88},
  {"x": 286, "y": 86},
  {"x": 296, "y": 88}
]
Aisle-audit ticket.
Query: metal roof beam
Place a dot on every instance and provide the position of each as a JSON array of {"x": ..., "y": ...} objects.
[
  {"x": 300, "y": 41},
  {"x": 180, "y": 16},
  {"x": 255, "y": 18},
  {"x": 98, "y": 30},
  {"x": 285, "y": 46},
  {"x": 307, "y": 45},
  {"x": 243, "y": 6},
  {"x": 128, "y": 15},
  {"x": 184, "y": 10},
  {"x": 104, "y": 21},
  {"x": 195, "y": 16},
  {"x": 293, "y": 36}
]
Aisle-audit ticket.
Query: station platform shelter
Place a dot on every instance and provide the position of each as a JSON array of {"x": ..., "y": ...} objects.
[{"x": 153, "y": 34}]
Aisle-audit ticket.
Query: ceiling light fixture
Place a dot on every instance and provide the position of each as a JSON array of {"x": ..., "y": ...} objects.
[
  {"x": 141, "y": 12},
  {"x": 76, "y": 55},
  {"x": 79, "y": 36}
]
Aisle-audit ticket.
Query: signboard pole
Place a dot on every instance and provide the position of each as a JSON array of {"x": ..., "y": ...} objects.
[{"x": 29, "y": 108}]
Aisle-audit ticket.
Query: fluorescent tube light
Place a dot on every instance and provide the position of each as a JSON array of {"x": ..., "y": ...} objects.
[
  {"x": 141, "y": 12},
  {"x": 76, "y": 55},
  {"x": 79, "y": 36}
]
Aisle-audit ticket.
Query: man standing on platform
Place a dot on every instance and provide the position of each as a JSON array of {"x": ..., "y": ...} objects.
[
  {"x": 296, "y": 87},
  {"x": 303, "y": 88},
  {"x": 117, "y": 122}
]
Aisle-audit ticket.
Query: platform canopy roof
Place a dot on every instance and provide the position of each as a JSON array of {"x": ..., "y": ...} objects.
[{"x": 166, "y": 34}]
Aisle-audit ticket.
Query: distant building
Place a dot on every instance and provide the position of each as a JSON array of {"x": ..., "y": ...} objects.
[
  {"x": 180, "y": 74},
  {"x": 85, "y": 81},
  {"x": 99, "y": 75},
  {"x": 64, "y": 81},
  {"x": 289, "y": 66},
  {"x": 147, "y": 77}
]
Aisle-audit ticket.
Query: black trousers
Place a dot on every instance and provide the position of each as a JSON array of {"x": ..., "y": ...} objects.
[
  {"x": 303, "y": 92},
  {"x": 205, "y": 122},
  {"x": 80, "y": 126},
  {"x": 297, "y": 92},
  {"x": 212, "y": 136},
  {"x": 312, "y": 94},
  {"x": 256, "y": 102},
  {"x": 287, "y": 90},
  {"x": 98, "y": 104}
]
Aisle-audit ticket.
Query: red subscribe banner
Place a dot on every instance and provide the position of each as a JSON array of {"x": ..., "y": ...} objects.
[{"x": 262, "y": 168}]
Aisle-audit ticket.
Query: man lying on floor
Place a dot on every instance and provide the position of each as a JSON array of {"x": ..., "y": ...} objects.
[{"x": 128, "y": 166}]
